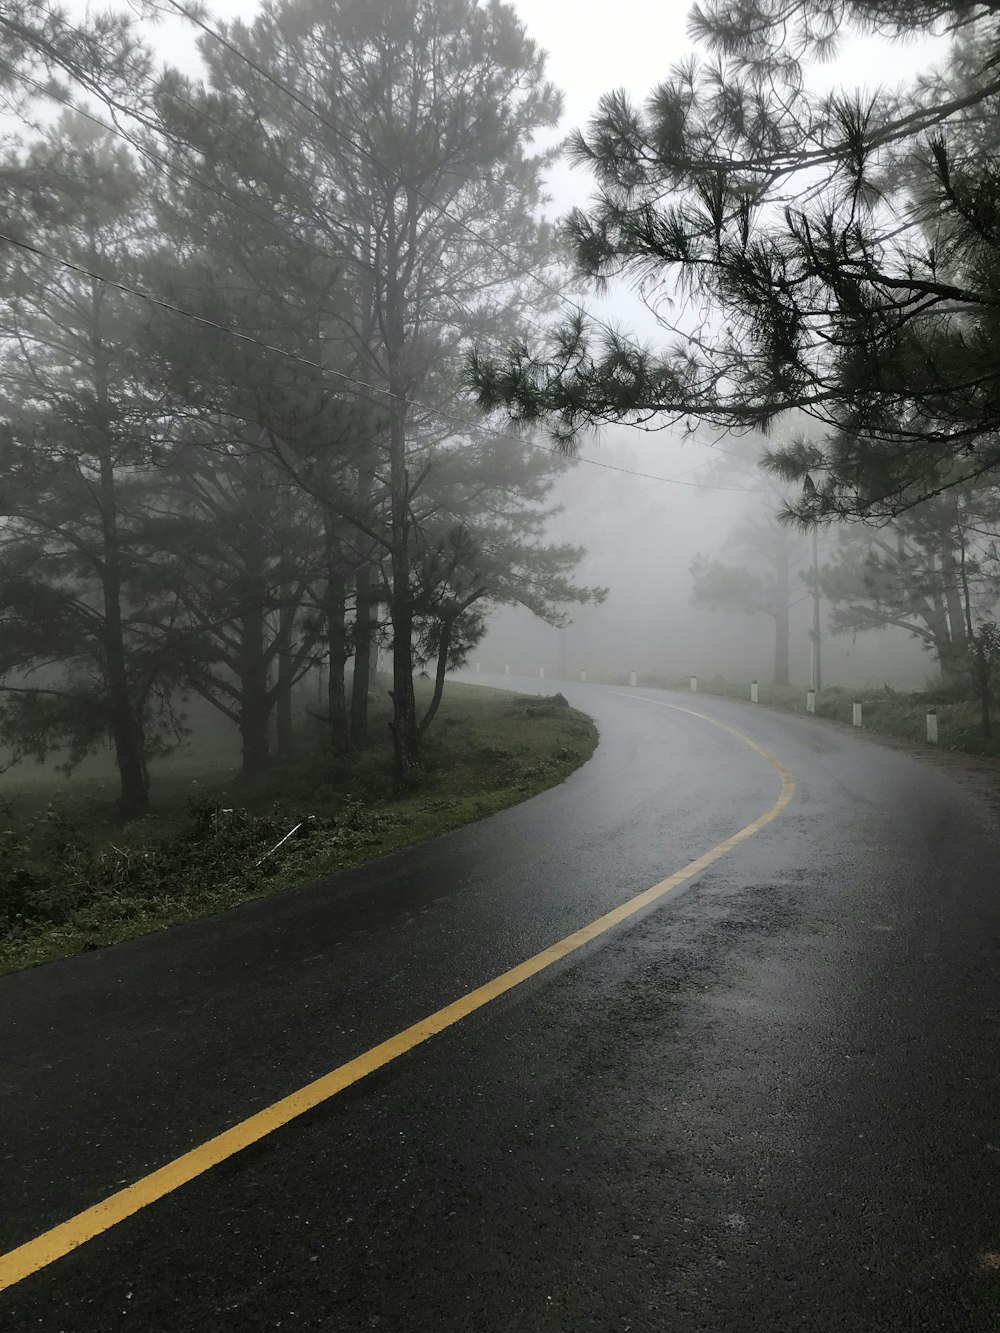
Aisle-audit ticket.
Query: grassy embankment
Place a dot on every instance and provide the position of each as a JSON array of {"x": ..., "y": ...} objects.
[
  {"x": 72, "y": 878},
  {"x": 899, "y": 713}
]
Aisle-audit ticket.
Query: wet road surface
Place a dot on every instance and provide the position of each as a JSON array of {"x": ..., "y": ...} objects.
[{"x": 770, "y": 1102}]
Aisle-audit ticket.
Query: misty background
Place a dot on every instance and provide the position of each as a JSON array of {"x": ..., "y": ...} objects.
[
  {"x": 641, "y": 535},
  {"x": 656, "y": 543}
]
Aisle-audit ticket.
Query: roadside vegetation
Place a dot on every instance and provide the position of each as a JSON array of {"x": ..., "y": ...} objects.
[
  {"x": 74, "y": 878},
  {"x": 239, "y": 463},
  {"x": 234, "y": 441},
  {"x": 890, "y": 712},
  {"x": 843, "y": 245},
  {"x": 262, "y": 338}
]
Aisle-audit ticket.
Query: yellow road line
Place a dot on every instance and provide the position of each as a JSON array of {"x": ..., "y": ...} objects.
[{"x": 60, "y": 1240}]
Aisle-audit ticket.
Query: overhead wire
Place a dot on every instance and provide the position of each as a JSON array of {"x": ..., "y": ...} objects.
[
  {"x": 325, "y": 370},
  {"x": 365, "y": 153},
  {"x": 358, "y": 148},
  {"x": 375, "y": 161},
  {"x": 441, "y": 209},
  {"x": 165, "y": 164},
  {"x": 465, "y": 422},
  {"x": 297, "y": 240}
]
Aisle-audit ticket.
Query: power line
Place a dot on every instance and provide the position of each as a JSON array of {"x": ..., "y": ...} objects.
[
  {"x": 342, "y": 134},
  {"x": 312, "y": 110},
  {"x": 164, "y": 162},
  {"x": 299, "y": 241},
  {"x": 365, "y": 153},
  {"x": 358, "y": 148},
  {"x": 465, "y": 422}
]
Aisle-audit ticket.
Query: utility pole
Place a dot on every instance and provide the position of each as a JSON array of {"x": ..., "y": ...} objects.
[{"x": 815, "y": 673}]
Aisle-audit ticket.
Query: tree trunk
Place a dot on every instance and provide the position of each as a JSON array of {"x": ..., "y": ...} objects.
[
  {"x": 951, "y": 659},
  {"x": 950, "y": 623},
  {"x": 364, "y": 586},
  {"x": 951, "y": 577},
  {"x": 126, "y": 731},
  {"x": 405, "y": 738},
  {"x": 256, "y": 701},
  {"x": 935, "y": 616},
  {"x": 125, "y": 722},
  {"x": 984, "y": 691},
  {"x": 282, "y": 694},
  {"x": 254, "y": 726},
  {"x": 283, "y": 705},
  {"x": 439, "y": 675},
  {"x": 130, "y": 758},
  {"x": 781, "y": 615},
  {"x": 255, "y": 704},
  {"x": 126, "y": 728},
  {"x": 980, "y": 662},
  {"x": 338, "y": 715},
  {"x": 362, "y": 654}
]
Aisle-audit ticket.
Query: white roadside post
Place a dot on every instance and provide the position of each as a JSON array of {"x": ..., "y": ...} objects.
[
  {"x": 810, "y": 701},
  {"x": 541, "y": 673},
  {"x": 694, "y": 684},
  {"x": 631, "y": 677},
  {"x": 479, "y": 667},
  {"x": 583, "y": 675},
  {"x": 932, "y": 731},
  {"x": 856, "y": 708},
  {"x": 506, "y": 670},
  {"x": 753, "y": 692}
]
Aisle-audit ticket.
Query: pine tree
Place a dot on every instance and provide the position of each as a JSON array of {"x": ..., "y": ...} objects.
[
  {"x": 848, "y": 244},
  {"x": 78, "y": 462},
  {"x": 407, "y": 123},
  {"x": 932, "y": 572}
]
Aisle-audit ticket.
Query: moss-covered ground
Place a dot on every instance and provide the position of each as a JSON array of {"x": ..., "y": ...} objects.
[{"x": 73, "y": 878}]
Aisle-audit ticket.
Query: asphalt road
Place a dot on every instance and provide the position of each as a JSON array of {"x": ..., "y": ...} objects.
[{"x": 769, "y": 1102}]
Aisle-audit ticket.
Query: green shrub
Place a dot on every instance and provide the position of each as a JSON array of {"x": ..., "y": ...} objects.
[
  {"x": 889, "y": 712},
  {"x": 48, "y": 870},
  {"x": 75, "y": 878}
]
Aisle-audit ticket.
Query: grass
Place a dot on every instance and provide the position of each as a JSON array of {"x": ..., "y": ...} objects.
[
  {"x": 72, "y": 878},
  {"x": 888, "y": 712}
]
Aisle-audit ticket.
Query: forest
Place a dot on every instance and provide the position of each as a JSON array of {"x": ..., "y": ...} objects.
[
  {"x": 824, "y": 270},
  {"x": 234, "y": 312},
  {"x": 499, "y": 665},
  {"x": 292, "y": 393}
]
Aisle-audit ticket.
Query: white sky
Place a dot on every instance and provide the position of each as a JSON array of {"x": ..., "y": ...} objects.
[
  {"x": 589, "y": 56},
  {"x": 593, "y": 47}
]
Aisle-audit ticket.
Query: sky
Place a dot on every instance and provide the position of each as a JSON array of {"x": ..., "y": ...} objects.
[
  {"x": 641, "y": 534},
  {"x": 588, "y": 55},
  {"x": 594, "y": 47}
]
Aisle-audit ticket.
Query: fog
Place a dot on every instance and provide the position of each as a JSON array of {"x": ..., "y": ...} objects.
[
  {"x": 641, "y": 536},
  {"x": 245, "y": 369},
  {"x": 365, "y": 992}
]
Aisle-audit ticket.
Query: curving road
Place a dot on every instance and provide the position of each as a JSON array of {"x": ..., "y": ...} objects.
[{"x": 770, "y": 1101}]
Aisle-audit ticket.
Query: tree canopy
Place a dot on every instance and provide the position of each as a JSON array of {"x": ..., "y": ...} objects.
[
  {"x": 836, "y": 253},
  {"x": 233, "y": 312}
]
